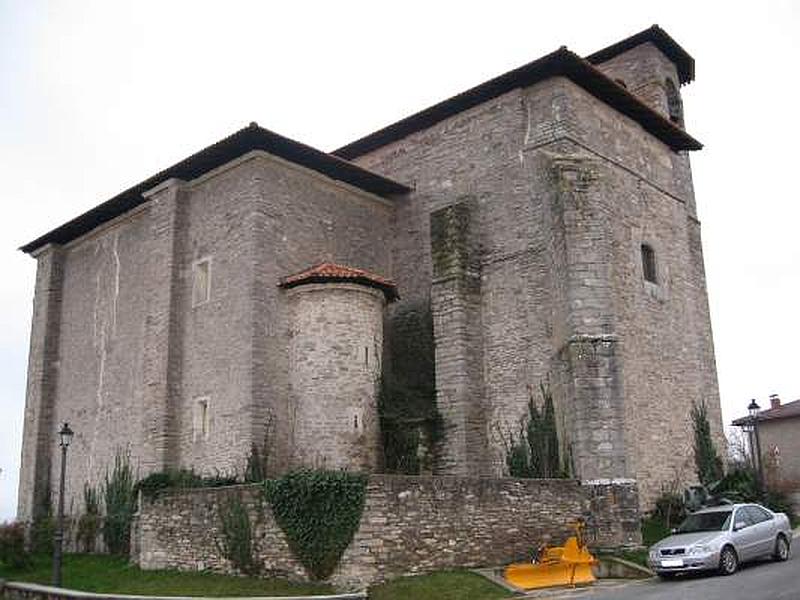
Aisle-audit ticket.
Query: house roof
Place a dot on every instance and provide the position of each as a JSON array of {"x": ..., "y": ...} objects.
[
  {"x": 331, "y": 272},
  {"x": 784, "y": 411},
  {"x": 245, "y": 140},
  {"x": 659, "y": 38},
  {"x": 562, "y": 62}
]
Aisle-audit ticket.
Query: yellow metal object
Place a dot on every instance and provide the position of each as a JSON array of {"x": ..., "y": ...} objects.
[{"x": 570, "y": 564}]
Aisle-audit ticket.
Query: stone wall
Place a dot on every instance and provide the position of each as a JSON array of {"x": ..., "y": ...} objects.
[
  {"x": 409, "y": 525},
  {"x": 561, "y": 191},
  {"x": 122, "y": 350},
  {"x": 335, "y": 365}
]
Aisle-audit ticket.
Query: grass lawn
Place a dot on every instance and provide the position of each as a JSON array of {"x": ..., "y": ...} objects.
[
  {"x": 444, "y": 585},
  {"x": 635, "y": 556},
  {"x": 99, "y": 573}
]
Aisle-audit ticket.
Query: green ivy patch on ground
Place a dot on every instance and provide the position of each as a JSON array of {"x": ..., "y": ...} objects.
[
  {"x": 444, "y": 585},
  {"x": 319, "y": 511},
  {"x": 114, "y": 575}
]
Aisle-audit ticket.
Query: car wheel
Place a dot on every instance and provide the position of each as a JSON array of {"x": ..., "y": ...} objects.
[
  {"x": 728, "y": 561},
  {"x": 781, "y": 552}
]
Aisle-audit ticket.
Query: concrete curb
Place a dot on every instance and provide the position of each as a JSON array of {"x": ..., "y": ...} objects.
[{"x": 35, "y": 590}]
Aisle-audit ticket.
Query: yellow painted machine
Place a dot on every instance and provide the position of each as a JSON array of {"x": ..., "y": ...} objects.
[{"x": 570, "y": 564}]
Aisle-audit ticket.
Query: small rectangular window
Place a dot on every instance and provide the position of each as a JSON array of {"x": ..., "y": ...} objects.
[
  {"x": 649, "y": 264},
  {"x": 201, "y": 420},
  {"x": 201, "y": 281}
]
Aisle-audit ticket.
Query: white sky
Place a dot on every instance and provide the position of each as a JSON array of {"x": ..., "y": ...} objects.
[{"x": 97, "y": 96}]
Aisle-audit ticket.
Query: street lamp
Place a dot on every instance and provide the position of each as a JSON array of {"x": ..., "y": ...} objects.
[
  {"x": 65, "y": 437},
  {"x": 753, "y": 409}
]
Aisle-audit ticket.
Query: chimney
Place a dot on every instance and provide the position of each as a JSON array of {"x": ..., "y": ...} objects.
[{"x": 775, "y": 401}]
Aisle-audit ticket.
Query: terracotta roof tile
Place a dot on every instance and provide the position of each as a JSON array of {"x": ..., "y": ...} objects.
[{"x": 332, "y": 272}]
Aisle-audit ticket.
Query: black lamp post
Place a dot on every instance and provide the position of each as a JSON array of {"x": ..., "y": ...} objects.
[
  {"x": 753, "y": 409},
  {"x": 65, "y": 437}
]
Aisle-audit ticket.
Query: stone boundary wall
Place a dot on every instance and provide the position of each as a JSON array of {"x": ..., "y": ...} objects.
[{"x": 409, "y": 525}]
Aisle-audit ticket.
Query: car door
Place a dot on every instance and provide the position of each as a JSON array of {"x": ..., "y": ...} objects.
[
  {"x": 744, "y": 535},
  {"x": 764, "y": 527}
]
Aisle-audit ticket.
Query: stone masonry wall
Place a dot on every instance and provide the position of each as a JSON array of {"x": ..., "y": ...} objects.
[
  {"x": 547, "y": 281},
  {"x": 409, "y": 525},
  {"x": 335, "y": 365},
  {"x": 122, "y": 351}
]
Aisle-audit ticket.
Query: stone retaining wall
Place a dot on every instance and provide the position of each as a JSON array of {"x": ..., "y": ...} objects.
[{"x": 409, "y": 525}]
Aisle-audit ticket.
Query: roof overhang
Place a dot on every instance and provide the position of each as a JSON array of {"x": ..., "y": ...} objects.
[
  {"x": 243, "y": 141},
  {"x": 562, "y": 63},
  {"x": 661, "y": 40}
]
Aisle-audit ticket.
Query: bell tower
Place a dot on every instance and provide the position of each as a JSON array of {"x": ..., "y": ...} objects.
[{"x": 652, "y": 66}]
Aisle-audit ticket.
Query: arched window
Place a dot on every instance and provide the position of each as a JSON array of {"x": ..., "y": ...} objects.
[
  {"x": 674, "y": 105},
  {"x": 649, "y": 263}
]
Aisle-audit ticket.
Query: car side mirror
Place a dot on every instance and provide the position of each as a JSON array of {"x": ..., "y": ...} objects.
[{"x": 739, "y": 525}]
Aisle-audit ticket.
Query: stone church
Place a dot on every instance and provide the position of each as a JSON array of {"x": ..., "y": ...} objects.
[{"x": 539, "y": 227}]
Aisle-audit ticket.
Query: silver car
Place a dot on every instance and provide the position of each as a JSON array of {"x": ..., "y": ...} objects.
[{"x": 720, "y": 538}]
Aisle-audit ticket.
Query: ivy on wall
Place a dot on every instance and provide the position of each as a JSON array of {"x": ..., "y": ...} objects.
[
  {"x": 319, "y": 511},
  {"x": 411, "y": 426}
]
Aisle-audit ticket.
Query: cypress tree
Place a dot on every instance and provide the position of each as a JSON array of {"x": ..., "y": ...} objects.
[{"x": 706, "y": 459}]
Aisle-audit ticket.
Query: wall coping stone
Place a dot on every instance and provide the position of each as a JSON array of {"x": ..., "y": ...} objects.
[{"x": 54, "y": 592}]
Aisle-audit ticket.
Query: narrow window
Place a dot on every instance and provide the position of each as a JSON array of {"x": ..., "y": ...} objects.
[
  {"x": 649, "y": 263},
  {"x": 201, "y": 420},
  {"x": 201, "y": 281},
  {"x": 674, "y": 105}
]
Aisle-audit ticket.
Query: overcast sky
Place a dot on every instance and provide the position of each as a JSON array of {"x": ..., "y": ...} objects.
[{"x": 97, "y": 96}]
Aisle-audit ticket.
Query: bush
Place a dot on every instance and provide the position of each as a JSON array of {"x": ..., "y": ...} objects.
[
  {"x": 237, "y": 536},
  {"x": 43, "y": 530},
  {"x": 740, "y": 485},
  {"x": 12, "y": 546},
  {"x": 180, "y": 478},
  {"x": 536, "y": 451},
  {"x": 90, "y": 521},
  {"x": 120, "y": 501}
]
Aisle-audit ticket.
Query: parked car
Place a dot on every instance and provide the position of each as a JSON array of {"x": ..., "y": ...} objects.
[{"x": 720, "y": 538}]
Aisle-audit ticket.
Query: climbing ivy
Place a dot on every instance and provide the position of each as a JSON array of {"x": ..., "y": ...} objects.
[
  {"x": 411, "y": 426},
  {"x": 319, "y": 511}
]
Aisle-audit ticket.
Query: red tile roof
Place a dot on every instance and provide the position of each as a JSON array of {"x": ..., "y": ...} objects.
[
  {"x": 784, "y": 411},
  {"x": 330, "y": 272}
]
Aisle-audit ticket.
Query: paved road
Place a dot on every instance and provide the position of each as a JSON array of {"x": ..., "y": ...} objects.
[{"x": 764, "y": 580}]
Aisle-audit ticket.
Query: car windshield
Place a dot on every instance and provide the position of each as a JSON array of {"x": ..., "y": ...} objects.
[{"x": 710, "y": 521}]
